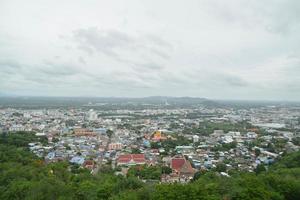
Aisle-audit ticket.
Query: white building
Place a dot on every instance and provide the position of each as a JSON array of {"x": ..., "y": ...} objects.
[
  {"x": 92, "y": 115},
  {"x": 251, "y": 135},
  {"x": 195, "y": 138}
]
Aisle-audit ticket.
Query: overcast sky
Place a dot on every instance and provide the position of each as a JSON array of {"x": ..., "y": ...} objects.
[{"x": 233, "y": 49}]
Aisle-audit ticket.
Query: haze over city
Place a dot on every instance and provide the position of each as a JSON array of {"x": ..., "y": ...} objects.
[{"x": 212, "y": 49}]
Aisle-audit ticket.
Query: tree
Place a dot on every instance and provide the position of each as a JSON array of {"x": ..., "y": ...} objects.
[
  {"x": 197, "y": 175},
  {"x": 135, "y": 151},
  {"x": 166, "y": 170},
  {"x": 296, "y": 140},
  {"x": 24, "y": 176},
  {"x": 260, "y": 168},
  {"x": 155, "y": 145},
  {"x": 257, "y": 152},
  {"x": 221, "y": 167},
  {"x": 145, "y": 172},
  {"x": 109, "y": 133},
  {"x": 55, "y": 140}
]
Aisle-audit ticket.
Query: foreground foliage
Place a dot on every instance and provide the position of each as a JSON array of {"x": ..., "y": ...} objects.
[{"x": 24, "y": 176}]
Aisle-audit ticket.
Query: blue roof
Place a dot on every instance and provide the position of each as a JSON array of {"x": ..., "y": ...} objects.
[
  {"x": 77, "y": 160},
  {"x": 50, "y": 155}
]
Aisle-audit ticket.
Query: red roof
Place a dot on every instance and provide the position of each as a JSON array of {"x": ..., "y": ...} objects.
[
  {"x": 88, "y": 162},
  {"x": 138, "y": 158},
  {"x": 155, "y": 150},
  {"x": 177, "y": 163}
]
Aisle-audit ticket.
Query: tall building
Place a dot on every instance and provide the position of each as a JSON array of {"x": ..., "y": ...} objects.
[
  {"x": 196, "y": 138},
  {"x": 92, "y": 115}
]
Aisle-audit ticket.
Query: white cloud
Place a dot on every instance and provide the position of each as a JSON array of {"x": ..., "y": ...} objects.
[{"x": 215, "y": 49}]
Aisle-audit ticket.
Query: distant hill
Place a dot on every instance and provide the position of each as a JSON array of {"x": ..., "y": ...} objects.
[{"x": 154, "y": 101}]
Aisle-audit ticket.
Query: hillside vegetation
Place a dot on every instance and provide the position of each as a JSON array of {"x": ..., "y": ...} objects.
[{"x": 24, "y": 176}]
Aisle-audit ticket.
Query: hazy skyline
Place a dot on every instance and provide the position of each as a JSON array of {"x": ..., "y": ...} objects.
[{"x": 204, "y": 48}]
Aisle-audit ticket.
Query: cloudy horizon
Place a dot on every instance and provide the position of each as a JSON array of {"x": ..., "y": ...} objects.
[{"x": 201, "y": 48}]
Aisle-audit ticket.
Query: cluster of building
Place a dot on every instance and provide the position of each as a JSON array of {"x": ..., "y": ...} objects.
[{"x": 125, "y": 138}]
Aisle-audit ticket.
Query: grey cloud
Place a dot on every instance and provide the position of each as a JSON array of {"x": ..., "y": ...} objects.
[
  {"x": 159, "y": 41},
  {"x": 152, "y": 66},
  {"x": 148, "y": 67},
  {"x": 283, "y": 16},
  {"x": 276, "y": 16},
  {"x": 114, "y": 44},
  {"x": 54, "y": 69},
  {"x": 81, "y": 60},
  {"x": 118, "y": 80},
  {"x": 234, "y": 81},
  {"x": 46, "y": 73},
  {"x": 104, "y": 41},
  {"x": 221, "y": 48},
  {"x": 9, "y": 67},
  {"x": 290, "y": 74},
  {"x": 225, "y": 80},
  {"x": 159, "y": 53},
  {"x": 214, "y": 79}
]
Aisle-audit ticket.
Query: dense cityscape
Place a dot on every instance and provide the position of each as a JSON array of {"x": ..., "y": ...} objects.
[
  {"x": 170, "y": 140},
  {"x": 149, "y": 100}
]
